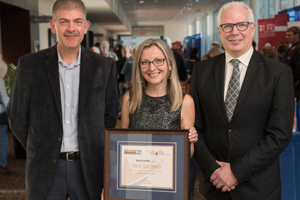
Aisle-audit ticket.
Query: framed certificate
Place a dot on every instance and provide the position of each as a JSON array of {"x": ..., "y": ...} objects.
[{"x": 146, "y": 164}]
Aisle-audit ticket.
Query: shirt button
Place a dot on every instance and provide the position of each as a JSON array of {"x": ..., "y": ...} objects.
[
  {"x": 67, "y": 104},
  {"x": 68, "y": 86},
  {"x": 67, "y": 121},
  {"x": 66, "y": 139}
]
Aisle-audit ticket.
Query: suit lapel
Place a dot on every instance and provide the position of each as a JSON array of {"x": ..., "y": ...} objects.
[
  {"x": 51, "y": 66},
  {"x": 254, "y": 66},
  {"x": 219, "y": 74},
  {"x": 86, "y": 75}
]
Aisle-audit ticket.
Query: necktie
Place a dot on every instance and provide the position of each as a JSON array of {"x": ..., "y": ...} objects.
[{"x": 233, "y": 89}]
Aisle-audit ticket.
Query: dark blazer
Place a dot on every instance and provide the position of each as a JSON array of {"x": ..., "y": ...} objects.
[
  {"x": 260, "y": 129},
  {"x": 35, "y": 115}
]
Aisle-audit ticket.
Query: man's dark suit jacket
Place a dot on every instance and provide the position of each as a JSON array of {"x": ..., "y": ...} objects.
[
  {"x": 35, "y": 115},
  {"x": 260, "y": 129},
  {"x": 292, "y": 58}
]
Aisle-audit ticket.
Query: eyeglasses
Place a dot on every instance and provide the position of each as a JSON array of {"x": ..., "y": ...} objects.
[
  {"x": 288, "y": 34},
  {"x": 241, "y": 26},
  {"x": 157, "y": 63}
]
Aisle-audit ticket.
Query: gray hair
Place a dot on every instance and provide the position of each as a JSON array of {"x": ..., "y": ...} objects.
[
  {"x": 235, "y": 4},
  {"x": 105, "y": 43},
  {"x": 68, "y": 5}
]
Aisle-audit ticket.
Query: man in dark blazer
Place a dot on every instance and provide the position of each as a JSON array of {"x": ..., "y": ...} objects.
[
  {"x": 292, "y": 57},
  {"x": 62, "y": 100},
  {"x": 239, "y": 143}
]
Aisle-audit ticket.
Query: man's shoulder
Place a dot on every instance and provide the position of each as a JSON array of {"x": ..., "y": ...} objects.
[
  {"x": 269, "y": 62},
  {"x": 207, "y": 66},
  {"x": 98, "y": 58},
  {"x": 297, "y": 47},
  {"x": 212, "y": 61},
  {"x": 36, "y": 56}
]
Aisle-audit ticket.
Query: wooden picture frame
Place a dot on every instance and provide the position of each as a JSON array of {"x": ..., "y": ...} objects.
[{"x": 146, "y": 164}]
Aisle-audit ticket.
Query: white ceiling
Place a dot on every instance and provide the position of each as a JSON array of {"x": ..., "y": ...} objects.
[{"x": 148, "y": 12}]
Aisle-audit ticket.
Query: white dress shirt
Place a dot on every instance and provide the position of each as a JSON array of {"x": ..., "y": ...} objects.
[{"x": 243, "y": 66}]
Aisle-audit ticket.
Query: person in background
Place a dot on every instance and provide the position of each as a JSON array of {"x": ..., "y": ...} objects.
[
  {"x": 179, "y": 62},
  {"x": 97, "y": 44},
  {"x": 3, "y": 120},
  {"x": 119, "y": 48},
  {"x": 105, "y": 51},
  {"x": 120, "y": 64},
  {"x": 215, "y": 44},
  {"x": 205, "y": 57},
  {"x": 62, "y": 100},
  {"x": 127, "y": 70},
  {"x": 269, "y": 51},
  {"x": 194, "y": 53},
  {"x": 113, "y": 49},
  {"x": 212, "y": 53},
  {"x": 215, "y": 51},
  {"x": 176, "y": 46},
  {"x": 95, "y": 49},
  {"x": 193, "y": 58},
  {"x": 282, "y": 50},
  {"x": 244, "y": 106},
  {"x": 292, "y": 57}
]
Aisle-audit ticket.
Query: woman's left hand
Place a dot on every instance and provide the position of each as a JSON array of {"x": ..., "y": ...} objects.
[{"x": 193, "y": 135}]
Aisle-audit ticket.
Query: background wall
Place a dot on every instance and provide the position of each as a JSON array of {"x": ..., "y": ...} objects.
[{"x": 176, "y": 32}]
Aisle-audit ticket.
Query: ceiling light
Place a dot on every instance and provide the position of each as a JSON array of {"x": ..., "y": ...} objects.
[{"x": 142, "y": 1}]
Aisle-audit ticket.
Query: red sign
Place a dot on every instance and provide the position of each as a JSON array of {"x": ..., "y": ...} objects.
[{"x": 272, "y": 30}]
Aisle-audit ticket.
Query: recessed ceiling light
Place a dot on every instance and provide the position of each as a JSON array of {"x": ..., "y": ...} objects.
[{"x": 142, "y": 1}]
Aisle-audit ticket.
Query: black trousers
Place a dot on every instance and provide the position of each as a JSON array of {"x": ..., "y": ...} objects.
[{"x": 68, "y": 182}]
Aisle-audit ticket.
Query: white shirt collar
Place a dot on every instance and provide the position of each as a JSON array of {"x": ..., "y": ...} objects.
[
  {"x": 76, "y": 62},
  {"x": 245, "y": 58}
]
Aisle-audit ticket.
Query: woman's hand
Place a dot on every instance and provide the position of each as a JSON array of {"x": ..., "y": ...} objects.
[{"x": 193, "y": 135}]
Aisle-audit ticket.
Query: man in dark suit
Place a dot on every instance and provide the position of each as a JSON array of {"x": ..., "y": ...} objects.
[
  {"x": 62, "y": 100},
  {"x": 244, "y": 113},
  {"x": 292, "y": 57}
]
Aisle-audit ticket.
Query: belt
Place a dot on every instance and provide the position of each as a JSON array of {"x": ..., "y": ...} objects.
[{"x": 69, "y": 156}]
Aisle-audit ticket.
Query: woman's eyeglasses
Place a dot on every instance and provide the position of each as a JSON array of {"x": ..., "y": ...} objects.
[{"x": 157, "y": 63}]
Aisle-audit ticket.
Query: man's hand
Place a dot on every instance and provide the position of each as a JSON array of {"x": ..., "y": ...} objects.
[{"x": 223, "y": 178}]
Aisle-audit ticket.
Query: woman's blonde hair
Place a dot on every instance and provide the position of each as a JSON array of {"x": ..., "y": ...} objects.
[{"x": 139, "y": 84}]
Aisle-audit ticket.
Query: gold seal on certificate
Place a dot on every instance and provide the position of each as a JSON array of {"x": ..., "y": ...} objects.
[{"x": 147, "y": 165}]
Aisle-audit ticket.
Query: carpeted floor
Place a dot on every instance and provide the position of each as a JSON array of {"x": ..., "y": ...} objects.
[{"x": 12, "y": 186}]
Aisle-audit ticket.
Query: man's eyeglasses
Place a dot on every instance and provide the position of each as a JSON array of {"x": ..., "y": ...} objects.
[
  {"x": 241, "y": 26},
  {"x": 157, "y": 63},
  {"x": 288, "y": 34}
]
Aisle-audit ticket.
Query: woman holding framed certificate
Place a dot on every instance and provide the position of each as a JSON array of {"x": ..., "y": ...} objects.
[{"x": 156, "y": 100}]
